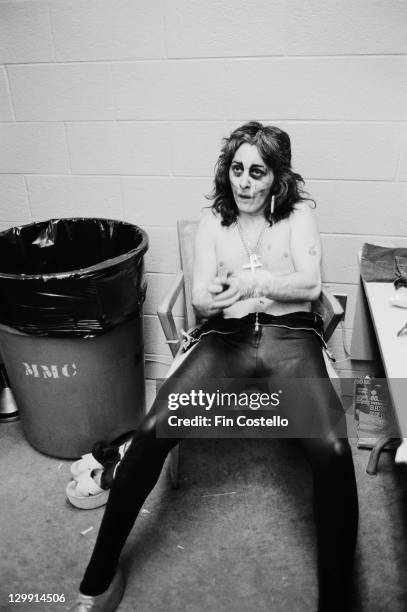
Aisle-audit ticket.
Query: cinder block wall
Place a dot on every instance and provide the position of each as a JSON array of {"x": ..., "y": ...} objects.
[{"x": 116, "y": 109}]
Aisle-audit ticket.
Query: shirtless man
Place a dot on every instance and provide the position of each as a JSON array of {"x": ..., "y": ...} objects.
[
  {"x": 285, "y": 274},
  {"x": 256, "y": 271}
]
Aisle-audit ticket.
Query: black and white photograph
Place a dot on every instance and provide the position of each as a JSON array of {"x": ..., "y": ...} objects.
[{"x": 203, "y": 306}]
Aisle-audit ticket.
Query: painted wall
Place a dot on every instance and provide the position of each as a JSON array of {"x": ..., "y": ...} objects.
[{"x": 116, "y": 109}]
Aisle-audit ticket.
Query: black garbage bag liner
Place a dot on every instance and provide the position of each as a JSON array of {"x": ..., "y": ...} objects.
[{"x": 71, "y": 277}]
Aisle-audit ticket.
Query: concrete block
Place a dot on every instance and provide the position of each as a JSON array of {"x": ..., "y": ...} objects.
[
  {"x": 196, "y": 147},
  {"x": 6, "y": 113},
  {"x": 317, "y": 88},
  {"x": 119, "y": 148},
  {"x": 402, "y": 165},
  {"x": 162, "y": 200},
  {"x": 360, "y": 207},
  {"x": 219, "y": 29},
  {"x": 75, "y": 196},
  {"x": 25, "y": 33},
  {"x": 339, "y": 262},
  {"x": 162, "y": 255},
  {"x": 345, "y": 28},
  {"x": 14, "y": 206},
  {"x": 34, "y": 148},
  {"x": 169, "y": 90},
  {"x": 285, "y": 27},
  {"x": 106, "y": 30},
  {"x": 321, "y": 150},
  {"x": 62, "y": 92},
  {"x": 158, "y": 286},
  {"x": 359, "y": 151},
  {"x": 154, "y": 339}
]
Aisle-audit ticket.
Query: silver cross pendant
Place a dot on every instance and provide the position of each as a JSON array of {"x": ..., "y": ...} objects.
[{"x": 254, "y": 262}]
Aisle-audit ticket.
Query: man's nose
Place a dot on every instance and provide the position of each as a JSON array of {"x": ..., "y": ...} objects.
[{"x": 244, "y": 181}]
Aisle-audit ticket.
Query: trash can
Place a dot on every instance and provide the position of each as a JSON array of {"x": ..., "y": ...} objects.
[{"x": 71, "y": 330}]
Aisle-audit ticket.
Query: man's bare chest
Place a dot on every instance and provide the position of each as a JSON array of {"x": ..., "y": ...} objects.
[{"x": 234, "y": 251}]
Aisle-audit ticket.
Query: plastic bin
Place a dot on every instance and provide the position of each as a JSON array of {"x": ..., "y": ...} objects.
[{"x": 71, "y": 330}]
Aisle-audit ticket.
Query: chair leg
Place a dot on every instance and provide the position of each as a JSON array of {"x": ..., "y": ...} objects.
[
  {"x": 375, "y": 455},
  {"x": 174, "y": 466}
]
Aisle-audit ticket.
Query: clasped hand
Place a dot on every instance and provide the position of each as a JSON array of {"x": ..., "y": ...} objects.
[
  {"x": 224, "y": 291},
  {"x": 234, "y": 287},
  {"x": 221, "y": 293}
]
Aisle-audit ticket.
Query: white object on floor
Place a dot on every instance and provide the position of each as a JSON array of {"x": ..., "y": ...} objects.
[
  {"x": 86, "y": 463},
  {"x": 85, "y": 493},
  {"x": 401, "y": 453},
  {"x": 399, "y": 297}
]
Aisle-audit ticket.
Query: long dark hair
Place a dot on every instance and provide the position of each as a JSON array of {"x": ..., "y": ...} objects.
[{"x": 274, "y": 147}]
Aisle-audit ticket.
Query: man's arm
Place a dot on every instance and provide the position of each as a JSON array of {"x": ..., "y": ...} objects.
[
  {"x": 206, "y": 285},
  {"x": 305, "y": 283}
]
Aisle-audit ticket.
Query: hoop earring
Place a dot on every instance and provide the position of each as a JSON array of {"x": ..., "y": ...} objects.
[{"x": 273, "y": 201}]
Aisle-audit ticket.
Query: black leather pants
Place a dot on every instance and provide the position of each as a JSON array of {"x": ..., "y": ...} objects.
[{"x": 284, "y": 347}]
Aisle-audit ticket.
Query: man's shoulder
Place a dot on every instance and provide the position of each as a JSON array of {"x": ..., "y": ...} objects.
[
  {"x": 302, "y": 212},
  {"x": 208, "y": 227},
  {"x": 304, "y": 207},
  {"x": 210, "y": 220}
]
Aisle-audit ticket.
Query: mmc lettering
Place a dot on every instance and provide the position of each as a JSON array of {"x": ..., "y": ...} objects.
[{"x": 50, "y": 371}]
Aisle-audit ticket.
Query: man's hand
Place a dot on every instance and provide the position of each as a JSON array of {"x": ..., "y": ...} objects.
[
  {"x": 244, "y": 285},
  {"x": 230, "y": 292},
  {"x": 219, "y": 294},
  {"x": 218, "y": 285}
]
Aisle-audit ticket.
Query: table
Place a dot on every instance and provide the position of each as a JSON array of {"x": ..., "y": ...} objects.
[{"x": 386, "y": 321}]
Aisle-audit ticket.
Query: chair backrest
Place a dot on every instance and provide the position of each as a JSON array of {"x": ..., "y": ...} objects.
[{"x": 186, "y": 234}]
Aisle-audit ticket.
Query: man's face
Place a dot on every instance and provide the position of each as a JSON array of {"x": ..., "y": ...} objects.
[{"x": 251, "y": 180}]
